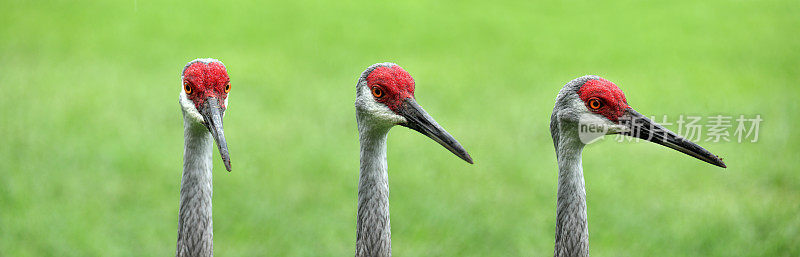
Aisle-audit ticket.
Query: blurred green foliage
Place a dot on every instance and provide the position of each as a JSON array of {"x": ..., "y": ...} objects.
[{"x": 91, "y": 148}]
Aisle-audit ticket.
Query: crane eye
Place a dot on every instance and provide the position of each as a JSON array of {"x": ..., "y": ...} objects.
[
  {"x": 377, "y": 92},
  {"x": 595, "y": 103},
  {"x": 228, "y": 88},
  {"x": 187, "y": 88}
]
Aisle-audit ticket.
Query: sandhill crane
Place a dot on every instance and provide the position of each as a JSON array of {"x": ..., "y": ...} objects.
[
  {"x": 593, "y": 102},
  {"x": 384, "y": 98},
  {"x": 203, "y": 99}
]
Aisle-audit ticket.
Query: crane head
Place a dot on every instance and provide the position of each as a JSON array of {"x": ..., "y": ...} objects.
[
  {"x": 591, "y": 103},
  {"x": 385, "y": 97},
  {"x": 204, "y": 97}
]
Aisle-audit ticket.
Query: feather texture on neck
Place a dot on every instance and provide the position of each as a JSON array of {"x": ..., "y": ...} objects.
[
  {"x": 572, "y": 227},
  {"x": 195, "y": 227},
  {"x": 374, "y": 236}
]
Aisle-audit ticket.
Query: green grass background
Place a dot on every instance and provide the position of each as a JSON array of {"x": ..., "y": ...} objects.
[{"x": 91, "y": 131}]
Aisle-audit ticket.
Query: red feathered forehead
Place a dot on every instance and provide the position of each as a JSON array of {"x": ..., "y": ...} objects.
[
  {"x": 206, "y": 80},
  {"x": 210, "y": 74},
  {"x": 614, "y": 103},
  {"x": 395, "y": 82}
]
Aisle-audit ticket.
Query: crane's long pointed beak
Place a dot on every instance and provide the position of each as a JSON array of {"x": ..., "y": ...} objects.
[
  {"x": 640, "y": 126},
  {"x": 419, "y": 120},
  {"x": 212, "y": 113}
]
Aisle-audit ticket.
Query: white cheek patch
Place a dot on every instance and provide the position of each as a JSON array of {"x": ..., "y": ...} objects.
[
  {"x": 189, "y": 111},
  {"x": 592, "y": 126},
  {"x": 376, "y": 109},
  {"x": 226, "y": 104}
]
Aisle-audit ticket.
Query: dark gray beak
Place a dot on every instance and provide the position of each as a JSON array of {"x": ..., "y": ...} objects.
[
  {"x": 640, "y": 126},
  {"x": 212, "y": 113},
  {"x": 419, "y": 120}
]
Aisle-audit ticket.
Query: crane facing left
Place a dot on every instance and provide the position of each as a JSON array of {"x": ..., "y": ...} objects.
[{"x": 203, "y": 100}]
